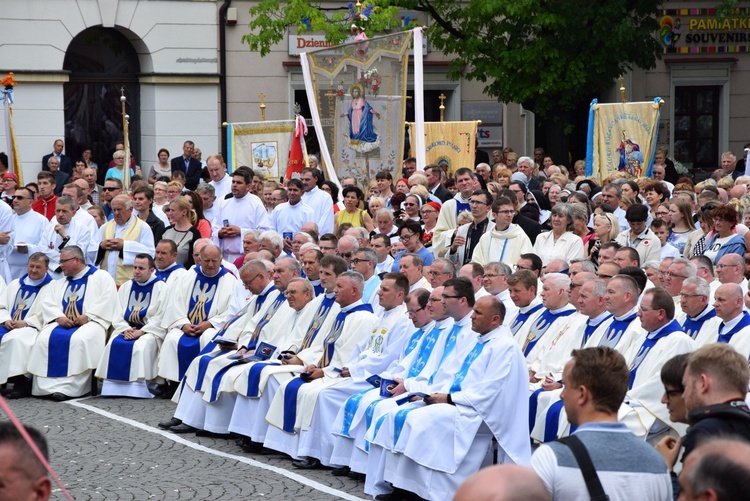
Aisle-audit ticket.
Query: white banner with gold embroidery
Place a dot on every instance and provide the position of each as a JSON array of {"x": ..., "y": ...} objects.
[
  {"x": 263, "y": 146},
  {"x": 622, "y": 137}
]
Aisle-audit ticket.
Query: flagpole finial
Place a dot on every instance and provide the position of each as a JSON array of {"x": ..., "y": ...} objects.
[
  {"x": 262, "y": 96},
  {"x": 622, "y": 90},
  {"x": 442, "y": 98}
]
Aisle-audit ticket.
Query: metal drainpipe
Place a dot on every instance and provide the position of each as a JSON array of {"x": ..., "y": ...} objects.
[{"x": 223, "y": 73}]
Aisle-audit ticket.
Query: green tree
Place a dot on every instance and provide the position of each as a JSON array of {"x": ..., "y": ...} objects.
[{"x": 550, "y": 55}]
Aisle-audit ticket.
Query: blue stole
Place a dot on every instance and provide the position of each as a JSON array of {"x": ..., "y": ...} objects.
[
  {"x": 121, "y": 350},
  {"x": 413, "y": 341},
  {"x": 318, "y": 319},
  {"x": 270, "y": 312},
  {"x": 450, "y": 343},
  {"x": 329, "y": 343},
  {"x": 727, "y": 336},
  {"x": 460, "y": 206},
  {"x": 163, "y": 275},
  {"x": 59, "y": 338},
  {"x": 616, "y": 329},
  {"x": 649, "y": 343},
  {"x": 425, "y": 350},
  {"x": 590, "y": 328},
  {"x": 25, "y": 297},
  {"x": 522, "y": 317},
  {"x": 319, "y": 289},
  {"x": 540, "y": 328},
  {"x": 693, "y": 327},
  {"x": 290, "y": 393},
  {"x": 400, "y": 418},
  {"x": 200, "y": 304},
  {"x": 206, "y": 354}
]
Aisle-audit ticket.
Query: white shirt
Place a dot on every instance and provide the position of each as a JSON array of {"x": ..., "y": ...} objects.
[
  {"x": 27, "y": 228},
  {"x": 248, "y": 213},
  {"x": 322, "y": 205},
  {"x": 223, "y": 187},
  {"x": 288, "y": 218}
]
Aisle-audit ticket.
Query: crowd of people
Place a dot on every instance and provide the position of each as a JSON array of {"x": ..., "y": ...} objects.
[{"x": 406, "y": 333}]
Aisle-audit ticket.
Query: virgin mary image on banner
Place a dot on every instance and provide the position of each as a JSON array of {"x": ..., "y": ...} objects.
[{"x": 362, "y": 136}]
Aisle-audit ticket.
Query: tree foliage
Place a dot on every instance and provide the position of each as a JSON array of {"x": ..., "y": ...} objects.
[{"x": 546, "y": 54}]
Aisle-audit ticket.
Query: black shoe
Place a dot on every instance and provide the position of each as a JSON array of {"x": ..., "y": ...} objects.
[
  {"x": 21, "y": 388},
  {"x": 308, "y": 464},
  {"x": 205, "y": 433},
  {"x": 252, "y": 447},
  {"x": 395, "y": 495},
  {"x": 165, "y": 425},
  {"x": 340, "y": 472},
  {"x": 360, "y": 477},
  {"x": 183, "y": 428},
  {"x": 59, "y": 397}
]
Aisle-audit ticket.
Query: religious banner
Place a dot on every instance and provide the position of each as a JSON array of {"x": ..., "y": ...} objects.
[
  {"x": 622, "y": 137},
  {"x": 357, "y": 94},
  {"x": 262, "y": 146},
  {"x": 449, "y": 144}
]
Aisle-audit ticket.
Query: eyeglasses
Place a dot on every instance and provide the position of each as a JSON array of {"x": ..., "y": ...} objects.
[
  {"x": 674, "y": 275},
  {"x": 69, "y": 259},
  {"x": 345, "y": 255},
  {"x": 109, "y": 188},
  {"x": 433, "y": 300},
  {"x": 248, "y": 282},
  {"x": 722, "y": 266},
  {"x": 436, "y": 273},
  {"x": 356, "y": 260},
  {"x": 425, "y": 212},
  {"x": 409, "y": 204},
  {"x": 691, "y": 295},
  {"x": 407, "y": 237},
  {"x": 492, "y": 275},
  {"x": 414, "y": 312},
  {"x": 19, "y": 197}
]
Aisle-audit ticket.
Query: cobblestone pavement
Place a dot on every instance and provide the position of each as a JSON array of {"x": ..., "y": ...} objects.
[{"x": 99, "y": 456}]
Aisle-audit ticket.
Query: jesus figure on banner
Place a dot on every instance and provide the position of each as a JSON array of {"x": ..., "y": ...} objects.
[{"x": 362, "y": 136}]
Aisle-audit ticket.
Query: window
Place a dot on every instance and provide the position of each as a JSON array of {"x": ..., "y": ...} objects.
[{"x": 696, "y": 126}]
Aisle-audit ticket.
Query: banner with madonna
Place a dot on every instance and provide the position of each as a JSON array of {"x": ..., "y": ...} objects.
[
  {"x": 357, "y": 97},
  {"x": 622, "y": 137}
]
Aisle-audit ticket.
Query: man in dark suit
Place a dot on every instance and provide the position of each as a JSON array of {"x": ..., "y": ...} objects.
[
  {"x": 434, "y": 176},
  {"x": 187, "y": 164},
  {"x": 66, "y": 164}
]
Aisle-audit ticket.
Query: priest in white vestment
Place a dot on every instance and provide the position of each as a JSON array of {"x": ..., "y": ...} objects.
[
  {"x": 430, "y": 446},
  {"x": 21, "y": 308},
  {"x": 701, "y": 322},
  {"x": 62, "y": 231},
  {"x": 121, "y": 239},
  {"x": 318, "y": 200},
  {"x": 196, "y": 307},
  {"x": 129, "y": 361},
  {"x": 68, "y": 349},
  {"x": 447, "y": 222}
]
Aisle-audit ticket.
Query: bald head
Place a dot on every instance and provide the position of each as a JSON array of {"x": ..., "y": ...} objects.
[
  {"x": 503, "y": 482},
  {"x": 728, "y": 301}
]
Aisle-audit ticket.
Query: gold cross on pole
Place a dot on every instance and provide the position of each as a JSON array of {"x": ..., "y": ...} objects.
[
  {"x": 442, "y": 98},
  {"x": 262, "y": 96}
]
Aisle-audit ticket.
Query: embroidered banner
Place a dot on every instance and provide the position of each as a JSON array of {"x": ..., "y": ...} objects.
[
  {"x": 622, "y": 137},
  {"x": 359, "y": 92},
  {"x": 451, "y": 145},
  {"x": 263, "y": 146}
]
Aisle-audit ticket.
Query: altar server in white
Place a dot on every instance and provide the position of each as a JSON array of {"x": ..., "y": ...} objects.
[
  {"x": 447, "y": 222},
  {"x": 237, "y": 215},
  {"x": 68, "y": 349},
  {"x": 288, "y": 217},
  {"x": 27, "y": 227},
  {"x": 21, "y": 307},
  {"x": 129, "y": 360}
]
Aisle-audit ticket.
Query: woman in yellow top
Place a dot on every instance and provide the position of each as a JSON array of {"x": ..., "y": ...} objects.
[{"x": 352, "y": 214}]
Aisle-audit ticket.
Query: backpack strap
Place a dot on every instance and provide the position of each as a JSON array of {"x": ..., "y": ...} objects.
[{"x": 593, "y": 485}]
